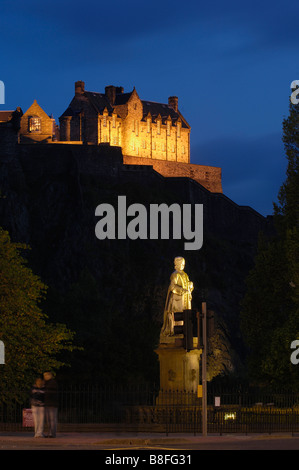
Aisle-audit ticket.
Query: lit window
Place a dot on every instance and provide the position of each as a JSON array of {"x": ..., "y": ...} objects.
[
  {"x": 115, "y": 140},
  {"x": 158, "y": 127},
  {"x": 173, "y": 149},
  {"x": 179, "y": 129},
  {"x": 35, "y": 124},
  {"x": 148, "y": 125},
  {"x": 154, "y": 146},
  {"x": 113, "y": 121},
  {"x": 183, "y": 149},
  {"x": 168, "y": 128},
  {"x": 105, "y": 121}
]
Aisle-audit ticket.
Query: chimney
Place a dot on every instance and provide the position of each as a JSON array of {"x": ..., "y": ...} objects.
[
  {"x": 173, "y": 102},
  {"x": 110, "y": 92},
  {"x": 79, "y": 88}
]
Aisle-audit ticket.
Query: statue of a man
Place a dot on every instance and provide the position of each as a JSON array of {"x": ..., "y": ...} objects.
[{"x": 179, "y": 296}]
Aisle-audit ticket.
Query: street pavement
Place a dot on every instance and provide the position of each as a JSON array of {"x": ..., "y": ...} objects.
[{"x": 155, "y": 442}]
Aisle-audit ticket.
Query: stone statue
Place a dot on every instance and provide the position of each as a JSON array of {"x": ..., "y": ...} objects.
[{"x": 178, "y": 298}]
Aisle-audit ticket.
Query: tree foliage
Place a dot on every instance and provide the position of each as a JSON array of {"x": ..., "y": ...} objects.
[
  {"x": 270, "y": 309},
  {"x": 32, "y": 345}
]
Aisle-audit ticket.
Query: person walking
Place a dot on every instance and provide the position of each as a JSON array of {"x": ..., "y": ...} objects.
[
  {"x": 38, "y": 407},
  {"x": 51, "y": 403}
]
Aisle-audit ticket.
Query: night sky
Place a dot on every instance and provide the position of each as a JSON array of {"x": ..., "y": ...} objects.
[{"x": 230, "y": 63}]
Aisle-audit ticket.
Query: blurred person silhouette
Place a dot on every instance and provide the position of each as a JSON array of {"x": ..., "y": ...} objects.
[
  {"x": 37, "y": 403},
  {"x": 51, "y": 403}
]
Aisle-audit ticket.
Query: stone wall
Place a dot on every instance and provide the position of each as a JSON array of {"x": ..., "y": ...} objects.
[
  {"x": 207, "y": 176},
  {"x": 149, "y": 139}
]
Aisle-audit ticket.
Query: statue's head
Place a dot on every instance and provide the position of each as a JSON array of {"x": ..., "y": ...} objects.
[
  {"x": 48, "y": 375},
  {"x": 179, "y": 263}
]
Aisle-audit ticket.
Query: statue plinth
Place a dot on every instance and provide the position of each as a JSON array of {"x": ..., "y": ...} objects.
[{"x": 179, "y": 369}]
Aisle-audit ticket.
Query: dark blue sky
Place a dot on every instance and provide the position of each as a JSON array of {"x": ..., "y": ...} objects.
[{"x": 230, "y": 63}]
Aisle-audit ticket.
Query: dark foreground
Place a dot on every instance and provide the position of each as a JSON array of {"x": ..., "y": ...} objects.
[{"x": 149, "y": 442}]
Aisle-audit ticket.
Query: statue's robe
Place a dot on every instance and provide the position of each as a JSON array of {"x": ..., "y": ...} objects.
[{"x": 177, "y": 300}]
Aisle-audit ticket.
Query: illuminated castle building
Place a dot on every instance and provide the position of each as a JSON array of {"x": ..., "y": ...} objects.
[
  {"x": 149, "y": 133},
  {"x": 142, "y": 128}
]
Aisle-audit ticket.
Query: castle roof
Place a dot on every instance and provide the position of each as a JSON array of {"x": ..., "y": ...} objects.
[
  {"x": 122, "y": 98},
  {"x": 164, "y": 110},
  {"x": 5, "y": 116},
  {"x": 11, "y": 118},
  {"x": 100, "y": 102}
]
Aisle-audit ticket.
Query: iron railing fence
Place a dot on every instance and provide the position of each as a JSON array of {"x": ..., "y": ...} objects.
[
  {"x": 146, "y": 408},
  {"x": 103, "y": 404}
]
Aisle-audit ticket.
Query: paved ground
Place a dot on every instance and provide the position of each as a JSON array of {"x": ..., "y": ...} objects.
[{"x": 114, "y": 442}]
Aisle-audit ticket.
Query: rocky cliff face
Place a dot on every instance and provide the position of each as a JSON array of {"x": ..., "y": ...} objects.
[{"x": 112, "y": 292}]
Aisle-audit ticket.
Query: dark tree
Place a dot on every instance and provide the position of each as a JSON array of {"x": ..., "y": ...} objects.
[{"x": 270, "y": 309}]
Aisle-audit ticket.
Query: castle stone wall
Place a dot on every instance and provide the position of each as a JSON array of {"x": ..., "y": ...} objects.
[{"x": 207, "y": 176}]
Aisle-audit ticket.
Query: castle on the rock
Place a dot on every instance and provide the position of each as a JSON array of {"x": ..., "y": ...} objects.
[{"x": 149, "y": 133}]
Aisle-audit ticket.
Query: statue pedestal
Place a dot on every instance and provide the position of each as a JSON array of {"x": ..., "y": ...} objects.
[{"x": 179, "y": 369}]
